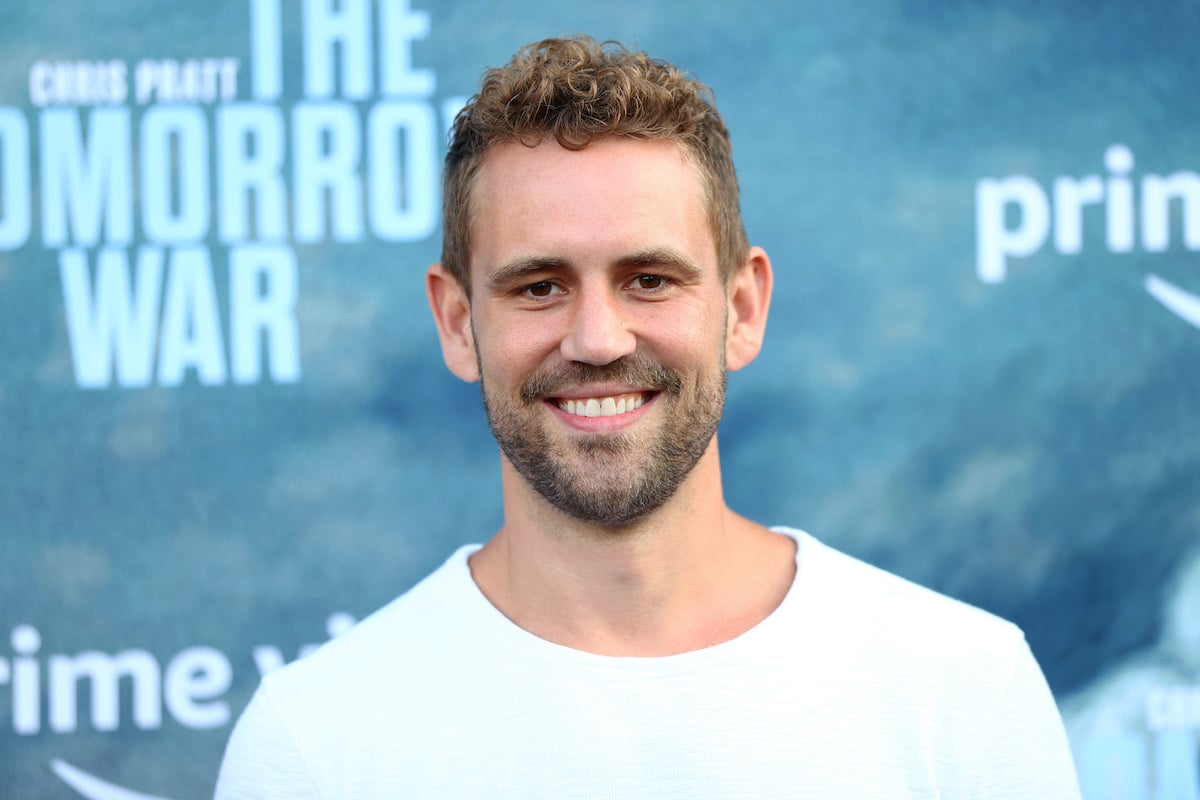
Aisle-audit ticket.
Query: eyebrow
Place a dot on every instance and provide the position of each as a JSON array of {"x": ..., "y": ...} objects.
[
  {"x": 520, "y": 268},
  {"x": 664, "y": 257}
]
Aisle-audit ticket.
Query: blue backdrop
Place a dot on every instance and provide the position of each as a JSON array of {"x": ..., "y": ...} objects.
[{"x": 226, "y": 431}]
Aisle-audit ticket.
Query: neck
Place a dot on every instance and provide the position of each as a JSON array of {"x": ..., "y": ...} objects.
[{"x": 690, "y": 575}]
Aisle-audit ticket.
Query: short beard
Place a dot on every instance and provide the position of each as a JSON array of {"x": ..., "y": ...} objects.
[{"x": 599, "y": 484}]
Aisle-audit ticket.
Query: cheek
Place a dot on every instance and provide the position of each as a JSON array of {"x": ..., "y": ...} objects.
[
  {"x": 693, "y": 354},
  {"x": 510, "y": 353},
  {"x": 696, "y": 337}
]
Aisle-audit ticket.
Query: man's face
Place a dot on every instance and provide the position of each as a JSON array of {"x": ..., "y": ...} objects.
[{"x": 599, "y": 320}]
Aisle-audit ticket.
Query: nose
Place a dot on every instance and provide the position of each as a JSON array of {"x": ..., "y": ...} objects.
[{"x": 599, "y": 331}]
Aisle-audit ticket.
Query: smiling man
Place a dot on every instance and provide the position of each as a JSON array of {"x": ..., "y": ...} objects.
[{"x": 624, "y": 633}]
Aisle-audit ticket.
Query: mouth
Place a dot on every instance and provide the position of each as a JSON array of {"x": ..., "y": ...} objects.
[{"x": 607, "y": 406}]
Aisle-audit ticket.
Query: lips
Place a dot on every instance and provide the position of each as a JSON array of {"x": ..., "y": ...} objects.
[
  {"x": 636, "y": 379},
  {"x": 608, "y": 406}
]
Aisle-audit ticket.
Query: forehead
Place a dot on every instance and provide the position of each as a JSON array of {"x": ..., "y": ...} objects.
[{"x": 613, "y": 195}]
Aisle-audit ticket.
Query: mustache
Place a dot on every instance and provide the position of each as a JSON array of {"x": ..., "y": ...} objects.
[{"x": 635, "y": 370}]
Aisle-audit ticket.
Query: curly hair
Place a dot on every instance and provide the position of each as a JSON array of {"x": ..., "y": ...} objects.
[{"x": 578, "y": 90}]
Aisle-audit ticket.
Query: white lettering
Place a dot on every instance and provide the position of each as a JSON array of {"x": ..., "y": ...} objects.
[
  {"x": 263, "y": 289},
  {"x": 267, "y": 659},
  {"x": 26, "y": 681},
  {"x": 1119, "y": 210},
  {"x": 115, "y": 322},
  {"x": 83, "y": 186},
  {"x": 204, "y": 80},
  {"x": 191, "y": 326},
  {"x": 401, "y": 174},
  {"x": 192, "y": 684},
  {"x": 250, "y": 173},
  {"x": 1157, "y": 194},
  {"x": 175, "y": 190},
  {"x": 354, "y": 167},
  {"x": 104, "y": 672},
  {"x": 1070, "y": 197},
  {"x": 41, "y": 84},
  {"x": 78, "y": 83},
  {"x": 266, "y": 47},
  {"x": 1020, "y": 200},
  {"x": 325, "y": 160},
  {"x": 400, "y": 26},
  {"x": 995, "y": 242},
  {"x": 195, "y": 674},
  {"x": 338, "y": 623},
  {"x": 328, "y": 29},
  {"x": 15, "y": 216}
]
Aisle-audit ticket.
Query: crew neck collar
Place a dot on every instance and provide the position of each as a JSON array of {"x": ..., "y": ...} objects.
[{"x": 507, "y": 634}]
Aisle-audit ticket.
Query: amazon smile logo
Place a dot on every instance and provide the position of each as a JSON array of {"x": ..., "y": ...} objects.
[
  {"x": 93, "y": 788},
  {"x": 1016, "y": 216}
]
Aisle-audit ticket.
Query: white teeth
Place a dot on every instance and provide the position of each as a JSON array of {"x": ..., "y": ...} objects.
[{"x": 602, "y": 406}]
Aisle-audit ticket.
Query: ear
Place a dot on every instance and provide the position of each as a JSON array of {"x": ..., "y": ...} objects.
[
  {"x": 749, "y": 298},
  {"x": 452, "y": 314}
]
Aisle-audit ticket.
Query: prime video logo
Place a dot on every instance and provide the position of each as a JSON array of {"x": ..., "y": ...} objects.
[
  {"x": 1015, "y": 216},
  {"x": 190, "y": 687}
]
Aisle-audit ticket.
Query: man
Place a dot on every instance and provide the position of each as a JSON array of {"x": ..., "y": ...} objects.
[{"x": 624, "y": 633}]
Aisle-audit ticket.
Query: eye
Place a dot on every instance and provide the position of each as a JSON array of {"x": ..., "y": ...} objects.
[
  {"x": 540, "y": 289},
  {"x": 650, "y": 282}
]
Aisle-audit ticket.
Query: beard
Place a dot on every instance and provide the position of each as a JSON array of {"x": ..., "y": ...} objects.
[{"x": 615, "y": 479}]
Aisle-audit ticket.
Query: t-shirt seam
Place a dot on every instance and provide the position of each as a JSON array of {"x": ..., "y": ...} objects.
[
  {"x": 483, "y": 614},
  {"x": 1003, "y": 688},
  {"x": 269, "y": 697}
]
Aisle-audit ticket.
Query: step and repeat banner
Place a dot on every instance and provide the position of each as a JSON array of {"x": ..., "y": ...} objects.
[{"x": 226, "y": 432}]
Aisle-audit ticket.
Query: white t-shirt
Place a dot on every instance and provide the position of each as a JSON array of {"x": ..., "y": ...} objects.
[{"x": 859, "y": 685}]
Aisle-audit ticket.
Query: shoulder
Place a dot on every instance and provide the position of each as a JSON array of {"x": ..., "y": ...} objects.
[
  {"x": 865, "y": 588},
  {"x": 346, "y": 703},
  {"x": 926, "y": 680},
  {"x": 415, "y": 633},
  {"x": 850, "y": 587}
]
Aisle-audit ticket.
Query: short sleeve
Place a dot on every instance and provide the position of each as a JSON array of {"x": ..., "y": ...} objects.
[
  {"x": 261, "y": 760},
  {"x": 1027, "y": 756}
]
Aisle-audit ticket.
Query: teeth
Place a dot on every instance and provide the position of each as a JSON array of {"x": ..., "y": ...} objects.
[{"x": 602, "y": 406}]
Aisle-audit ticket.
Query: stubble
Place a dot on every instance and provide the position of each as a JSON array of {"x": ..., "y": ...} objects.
[{"x": 615, "y": 479}]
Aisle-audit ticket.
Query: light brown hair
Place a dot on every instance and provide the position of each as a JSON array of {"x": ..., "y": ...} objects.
[{"x": 575, "y": 91}]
